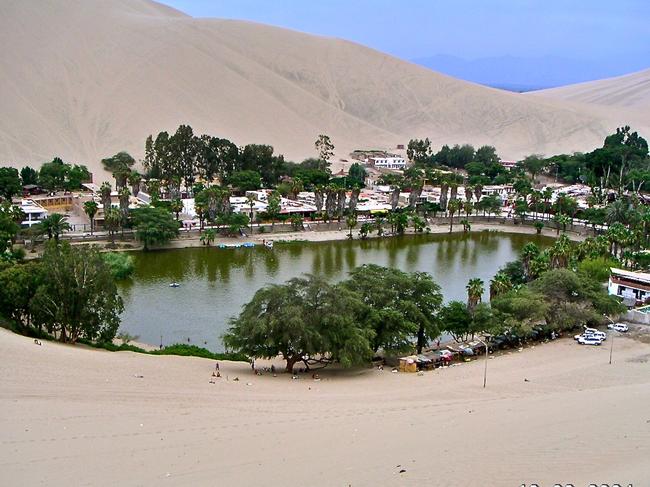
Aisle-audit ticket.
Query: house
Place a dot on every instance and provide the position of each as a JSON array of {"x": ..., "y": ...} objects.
[
  {"x": 503, "y": 191},
  {"x": 34, "y": 213},
  {"x": 390, "y": 161},
  {"x": 628, "y": 284}
]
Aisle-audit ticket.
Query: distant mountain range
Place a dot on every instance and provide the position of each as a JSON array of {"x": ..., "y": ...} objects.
[{"x": 528, "y": 74}]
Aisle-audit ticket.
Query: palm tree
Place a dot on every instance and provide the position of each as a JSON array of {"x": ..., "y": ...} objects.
[
  {"x": 547, "y": 194},
  {"x": 500, "y": 284},
  {"x": 105, "y": 194},
  {"x": 201, "y": 209},
  {"x": 90, "y": 208},
  {"x": 539, "y": 226},
  {"x": 112, "y": 219},
  {"x": 351, "y": 222},
  {"x": 561, "y": 221},
  {"x": 250, "y": 199},
  {"x": 379, "y": 226},
  {"x": 134, "y": 180},
  {"x": 452, "y": 207},
  {"x": 560, "y": 253},
  {"x": 274, "y": 206},
  {"x": 618, "y": 212},
  {"x": 176, "y": 206},
  {"x": 418, "y": 223},
  {"x": 467, "y": 226},
  {"x": 124, "y": 196},
  {"x": 475, "y": 289},
  {"x": 296, "y": 187},
  {"x": 521, "y": 208},
  {"x": 54, "y": 225},
  {"x": 539, "y": 265},
  {"x": 468, "y": 208},
  {"x": 444, "y": 191},
  {"x": 528, "y": 253},
  {"x": 617, "y": 235},
  {"x": 365, "y": 229},
  {"x": 208, "y": 236},
  {"x": 535, "y": 200}
]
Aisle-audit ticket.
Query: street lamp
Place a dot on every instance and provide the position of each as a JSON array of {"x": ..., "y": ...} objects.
[
  {"x": 611, "y": 345},
  {"x": 486, "y": 362}
]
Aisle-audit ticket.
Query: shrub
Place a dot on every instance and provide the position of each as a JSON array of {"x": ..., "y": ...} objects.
[
  {"x": 120, "y": 264},
  {"x": 184, "y": 350}
]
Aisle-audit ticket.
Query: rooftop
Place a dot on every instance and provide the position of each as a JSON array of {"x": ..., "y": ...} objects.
[{"x": 643, "y": 277}]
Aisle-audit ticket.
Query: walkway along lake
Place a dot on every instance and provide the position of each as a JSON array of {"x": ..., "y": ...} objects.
[{"x": 215, "y": 283}]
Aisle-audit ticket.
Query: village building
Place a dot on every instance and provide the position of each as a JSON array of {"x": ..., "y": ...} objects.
[
  {"x": 630, "y": 285},
  {"x": 391, "y": 161},
  {"x": 34, "y": 213}
]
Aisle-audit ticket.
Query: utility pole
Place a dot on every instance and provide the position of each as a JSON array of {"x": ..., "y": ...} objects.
[{"x": 486, "y": 362}]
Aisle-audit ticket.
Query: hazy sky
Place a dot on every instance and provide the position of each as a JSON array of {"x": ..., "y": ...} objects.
[{"x": 586, "y": 29}]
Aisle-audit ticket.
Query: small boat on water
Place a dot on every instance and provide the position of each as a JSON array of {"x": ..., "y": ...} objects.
[
  {"x": 248, "y": 245},
  {"x": 174, "y": 284}
]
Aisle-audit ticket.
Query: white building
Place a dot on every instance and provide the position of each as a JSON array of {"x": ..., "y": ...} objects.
[
  {"x": 388, "y": 162},
  {"x": 628, "y": 284},
  {"x": 34, "y": 213}
]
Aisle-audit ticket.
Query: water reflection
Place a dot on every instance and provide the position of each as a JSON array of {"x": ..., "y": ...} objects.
[{"x": 215, "y": 283}]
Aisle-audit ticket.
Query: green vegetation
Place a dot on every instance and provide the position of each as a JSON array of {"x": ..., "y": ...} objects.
[
  {"x": 10, "y": 184},
  {"x": 184, "y": 350},
  {"x": 70, "y": 293},
  {"x": 53, "y": 226},
  {"x": 10, "y": 217},
  {"x": 154, "y": 226},
  {"x": 308, "y": 320},
  {"x": 120, "y": 264},
  {"x": 312, "y": 321}
]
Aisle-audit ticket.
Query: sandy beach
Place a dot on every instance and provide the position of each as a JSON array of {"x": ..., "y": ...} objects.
[{"x": 553, "y": 413}]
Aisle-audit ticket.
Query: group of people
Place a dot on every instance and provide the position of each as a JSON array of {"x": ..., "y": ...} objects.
[{"x": 216, "y": 374}]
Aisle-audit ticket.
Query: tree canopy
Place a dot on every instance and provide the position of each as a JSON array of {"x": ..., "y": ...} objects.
[
  {"x": 77, "y": 297},
  {"x": 10, "y": 184},
  {"x": 306, "y": 319},
  {"x": 154, "y": 225}
]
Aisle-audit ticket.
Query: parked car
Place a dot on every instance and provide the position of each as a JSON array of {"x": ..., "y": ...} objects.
[
  {"x": 589, "y": 340},
  {"x": 622, "y": 327},
  {"x": 590, "y": 332}
]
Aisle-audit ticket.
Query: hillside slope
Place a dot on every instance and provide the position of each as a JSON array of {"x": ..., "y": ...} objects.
[
  {"x": 84, "y": 80},
  {"x": 631, "y": 91}
]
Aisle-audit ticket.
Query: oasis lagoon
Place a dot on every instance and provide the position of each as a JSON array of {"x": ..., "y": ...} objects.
[{"x": 215, "y": 283}]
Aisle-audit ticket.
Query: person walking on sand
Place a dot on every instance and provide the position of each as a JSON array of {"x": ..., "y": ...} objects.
[{"x": 216, "y": 366}]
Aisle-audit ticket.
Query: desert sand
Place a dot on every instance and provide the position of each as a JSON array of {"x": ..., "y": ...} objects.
[
  {"x": 631, "y": 91},
  {"x": 553, "y": 413},
  {"x": 83, "y": 80}
]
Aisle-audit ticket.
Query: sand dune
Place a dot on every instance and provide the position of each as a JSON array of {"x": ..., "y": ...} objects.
[
  {"x": 72, "y": 416},
  {"x": 83, "y": 80},
  {"x": 630, "y": 92}
]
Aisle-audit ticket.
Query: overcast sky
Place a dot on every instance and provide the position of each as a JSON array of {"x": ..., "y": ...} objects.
[{"x": 616, "y": 33}]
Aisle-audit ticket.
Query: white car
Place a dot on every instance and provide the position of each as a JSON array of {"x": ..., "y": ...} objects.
[
  {"x": 622, "y": 327},
  {"x": 587, "y": 331},
  {"x": 591, "y": 332},
  {"x": 589, "y": 340}
]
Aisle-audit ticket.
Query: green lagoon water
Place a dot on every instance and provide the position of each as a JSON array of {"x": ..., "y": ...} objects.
[{"x": 215, "y": 283}]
